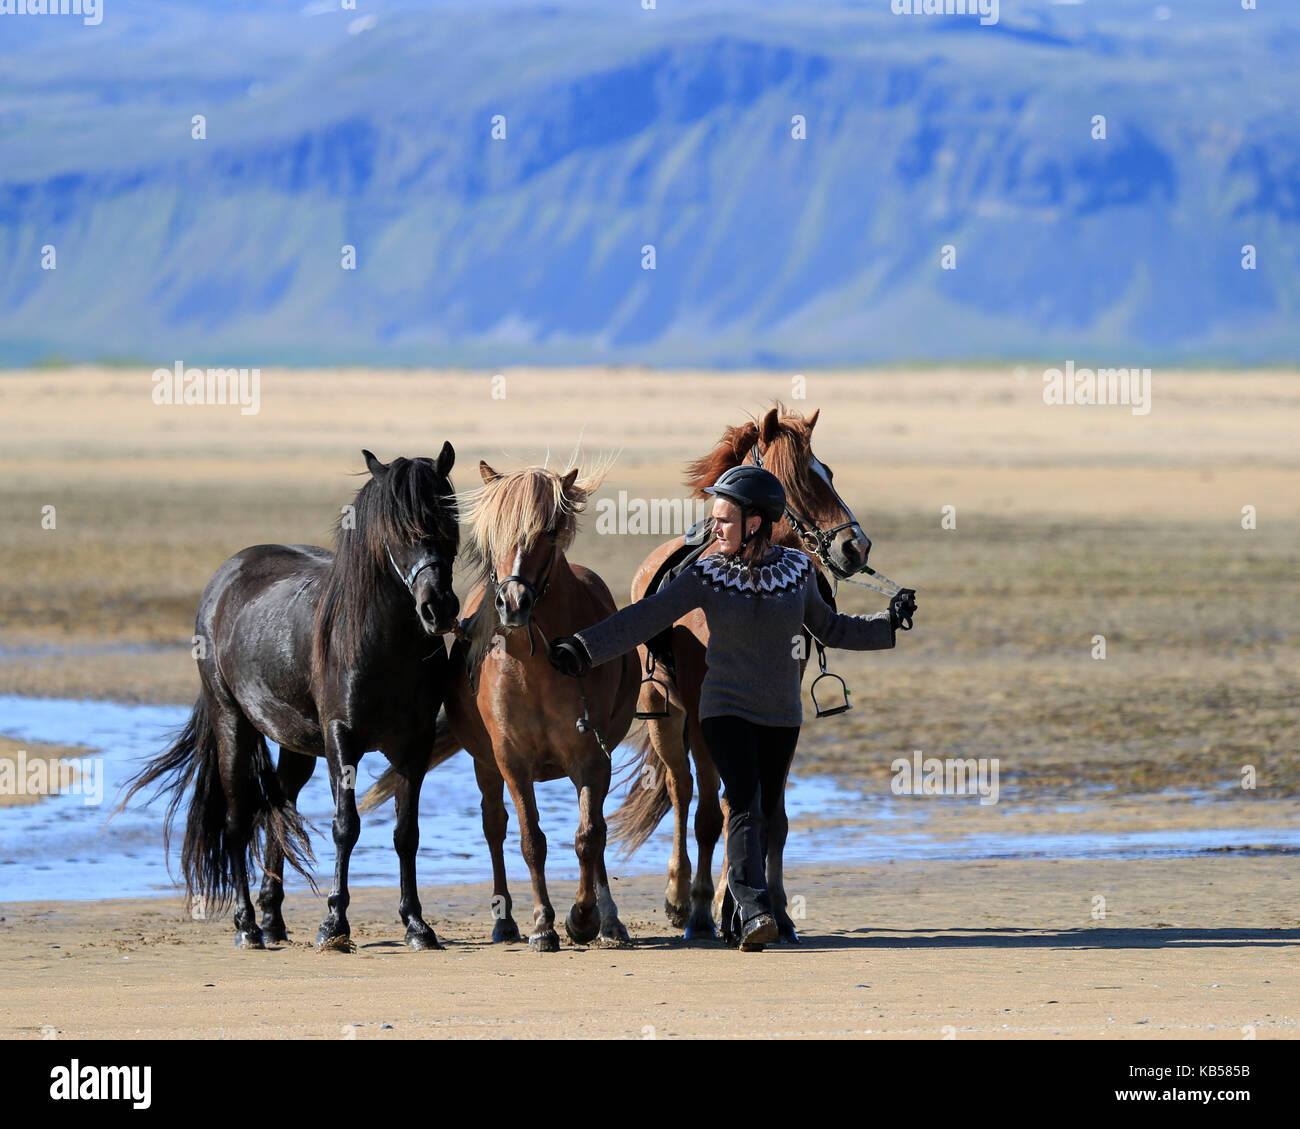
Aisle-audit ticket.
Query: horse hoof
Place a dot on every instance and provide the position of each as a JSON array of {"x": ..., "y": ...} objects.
[
  {"x": 677, "y": 915},
  {"x": 505, "y": 929},
  {"x": 788, "y": 935},
  {"x": 249, "y": 939},
  {"x": 700, "y": 925},
  {"x": 613, "y": 937},
  {"x": 334, "y": 943},
  {"x": 579, "y": 934},
  {"x": 546, "y": 942},
  {"x": 274, "y": 933},
  {"x": 421, "y": 938}
]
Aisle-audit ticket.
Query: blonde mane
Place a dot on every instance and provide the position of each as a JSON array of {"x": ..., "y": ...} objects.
[{"x": 512, "y": 511}]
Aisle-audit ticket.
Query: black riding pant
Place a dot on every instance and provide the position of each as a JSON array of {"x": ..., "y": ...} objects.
[{"x": 752, "y": 760}]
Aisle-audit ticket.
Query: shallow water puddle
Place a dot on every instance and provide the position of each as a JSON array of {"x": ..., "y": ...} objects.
[{"x": 60, "y": 848}]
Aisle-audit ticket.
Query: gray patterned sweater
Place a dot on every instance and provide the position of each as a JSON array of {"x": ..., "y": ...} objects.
[{"x": 756, "y": 619}]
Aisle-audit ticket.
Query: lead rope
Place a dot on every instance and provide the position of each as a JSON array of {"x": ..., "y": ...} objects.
[
  {"x": 584, "y": 722},
  {"x": 892, "y": 590},
  {"x": 585, "y": 725}
]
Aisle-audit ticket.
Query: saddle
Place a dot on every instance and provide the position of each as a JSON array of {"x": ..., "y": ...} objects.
[{"x": 697, "y": 539}]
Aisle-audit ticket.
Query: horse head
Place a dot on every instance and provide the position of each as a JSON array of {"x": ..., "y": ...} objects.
[
  {"x": 407, "y": 518},
  {"x": 523, "y": 524},
  {"x": 815, "y": 513}
]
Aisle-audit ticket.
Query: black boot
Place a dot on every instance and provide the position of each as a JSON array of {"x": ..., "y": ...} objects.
[{"x": 759, "y": 931}]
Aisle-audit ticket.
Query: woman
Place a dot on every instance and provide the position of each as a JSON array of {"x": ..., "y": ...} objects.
[{"x": 757, "y": 599}]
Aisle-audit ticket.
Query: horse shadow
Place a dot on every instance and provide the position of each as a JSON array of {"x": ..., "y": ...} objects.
[
  {"x": 1095, "y": 937},
  {"x": 1101, "y": 937}
]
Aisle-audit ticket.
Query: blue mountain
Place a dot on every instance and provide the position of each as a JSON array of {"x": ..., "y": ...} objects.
[{"x": 797, "y": 170}]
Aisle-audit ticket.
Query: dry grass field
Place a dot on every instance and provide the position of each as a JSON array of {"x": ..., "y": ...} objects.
[{"x": 1071, "y": 522}]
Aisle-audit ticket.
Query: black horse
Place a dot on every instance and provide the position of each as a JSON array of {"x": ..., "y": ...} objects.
[{"x": 328, "y": 654}]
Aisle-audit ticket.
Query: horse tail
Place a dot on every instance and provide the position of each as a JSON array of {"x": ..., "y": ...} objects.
[
  {"x": 207, "y": 853},
  {"x": 647, "y": 800},
  {"x": 444, "y": 747}
]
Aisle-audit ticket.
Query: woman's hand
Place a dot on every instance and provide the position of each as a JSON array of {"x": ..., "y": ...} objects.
[
  {"x": 901, "y": 609},
  {"x": 569, "y": 656}
]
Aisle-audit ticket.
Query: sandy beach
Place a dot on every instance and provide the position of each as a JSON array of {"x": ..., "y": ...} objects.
[
  {"x": 1188, "y": 948},
  {"x": 1070, "y": 523}
]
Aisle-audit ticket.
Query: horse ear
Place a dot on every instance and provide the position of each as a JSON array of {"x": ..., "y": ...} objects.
[
  {"x": 812, "y": 419},
  {"x": 446, "y": 459},
  {"x": 569, "y": 479},
  {"x": 489, "y": 475},
  {"x": 375, "y": 467},
  {"x": 771, "y": 426}
]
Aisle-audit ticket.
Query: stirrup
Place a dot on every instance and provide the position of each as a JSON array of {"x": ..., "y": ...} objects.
[
  {"x": 652, "y": 715},
  {"x": 828, "y": 711}
]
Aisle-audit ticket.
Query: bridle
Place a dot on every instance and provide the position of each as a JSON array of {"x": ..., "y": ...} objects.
[
  {"x": 536, "y": 589},
  {"x": 429, "y": 560},
  {"x": 817, "y": 540}
]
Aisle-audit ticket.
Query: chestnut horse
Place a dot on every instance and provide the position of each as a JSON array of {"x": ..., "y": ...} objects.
[
  {"x": 514, "y": 713},
  {"x": 330, "y": 655},
  {"x": 817, "y": 521}
]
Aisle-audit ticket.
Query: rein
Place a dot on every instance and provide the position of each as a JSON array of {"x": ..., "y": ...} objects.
[{"x": 819, "y": 540}]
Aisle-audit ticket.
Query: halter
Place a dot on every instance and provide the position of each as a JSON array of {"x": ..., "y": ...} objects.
[
  {"x": 817, "y": 539},
  {"x": 536, "y": 590},
  {"x": 408, "y": 578}
]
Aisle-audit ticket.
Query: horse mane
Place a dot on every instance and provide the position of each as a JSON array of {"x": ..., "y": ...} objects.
[
  {"x": 410, "y": 503},
  {"x": 516, "y": 509},
  {"x": 805, "y": 491}
]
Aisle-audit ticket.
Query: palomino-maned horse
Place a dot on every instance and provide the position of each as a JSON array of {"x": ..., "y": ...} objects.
[
  {"x": 328, "y": 654},
  {"x": 817, "y": 521},
  {"x": 515, "y": 713}
]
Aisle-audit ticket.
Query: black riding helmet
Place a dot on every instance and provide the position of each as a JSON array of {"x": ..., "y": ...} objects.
[{"x": 754, "y": 490}]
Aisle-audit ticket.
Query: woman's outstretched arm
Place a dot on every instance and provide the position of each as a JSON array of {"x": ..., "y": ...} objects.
[
  {"x": 637, "y": 622},
  {"x": 852, "y": 632}
]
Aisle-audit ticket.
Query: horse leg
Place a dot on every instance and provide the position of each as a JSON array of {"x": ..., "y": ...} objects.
[
  {"x": 543, "y": 939},
  {"x": 668, "y": 743},
  {"x": 406, "y": 841},
  {"x": 708, "y": 827},
  {"x": 237, "y": 743},
  {"x": 294, "y": 770},
  {"x": 594, "y": 914},
  {"x": 612, "y": 930},
  {"x": 334, "y": 932},
  {"x": 491, "y": 786}
]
